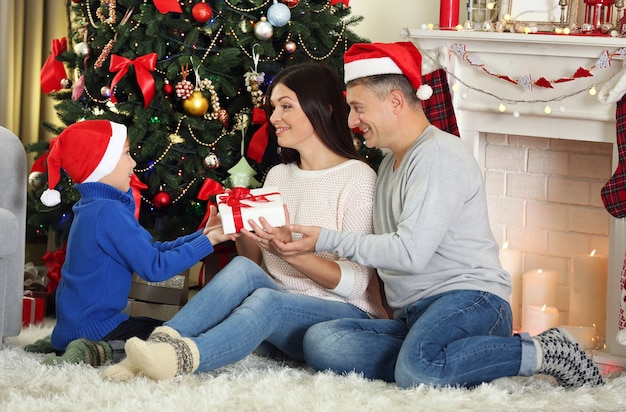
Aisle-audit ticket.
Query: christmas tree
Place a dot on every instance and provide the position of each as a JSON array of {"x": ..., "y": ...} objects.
[{"x": 187, "y": 77}]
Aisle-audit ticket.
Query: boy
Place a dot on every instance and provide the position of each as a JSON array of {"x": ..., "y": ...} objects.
[{"x": 106, "y": 245}]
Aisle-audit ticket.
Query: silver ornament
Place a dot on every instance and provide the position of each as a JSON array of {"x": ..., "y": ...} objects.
[
  {"x": 82, "y": 49},
  {"x": 105, "y": 91},
  {"x": 278, "y": 14},
  {"x": 211, "y": 161},
  {"x": 263, "y": 30},
  {"x": 36, "y": 180}
]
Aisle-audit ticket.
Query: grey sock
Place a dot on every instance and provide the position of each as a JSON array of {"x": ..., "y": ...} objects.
[{"x": 564, "y": 359}]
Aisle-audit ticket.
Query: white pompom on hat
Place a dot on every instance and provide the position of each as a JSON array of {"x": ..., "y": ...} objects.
[
  {"x": 87, "y": 151},
  {"x": 372, "y": 59}
]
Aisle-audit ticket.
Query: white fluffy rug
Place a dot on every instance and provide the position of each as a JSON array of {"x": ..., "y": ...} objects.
[{"x": 259, "y": 384}]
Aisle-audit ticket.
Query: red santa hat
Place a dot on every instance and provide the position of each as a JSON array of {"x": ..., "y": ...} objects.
[
  {"x": 371, "y": 59},
  {"x": 87, "y": 151}
]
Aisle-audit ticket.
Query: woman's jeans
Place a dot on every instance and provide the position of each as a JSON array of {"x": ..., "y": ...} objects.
[
  {"x": 461, "y": 337},
  {"x": 242, "y": 306}
]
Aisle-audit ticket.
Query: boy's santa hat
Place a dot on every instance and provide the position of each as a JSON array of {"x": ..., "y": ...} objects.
[
  {"x": 87, "y": 151},
  {"x": 372, "y": 59}
]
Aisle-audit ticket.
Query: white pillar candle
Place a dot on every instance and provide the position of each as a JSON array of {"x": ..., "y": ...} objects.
[
  {"x": 511, "y": 261},
  {"x": 586, "y": 336},
  {"x": 537, "y": 319},
  {"x": 587, "y": 306},
  {"x": 540, "y": 287}
]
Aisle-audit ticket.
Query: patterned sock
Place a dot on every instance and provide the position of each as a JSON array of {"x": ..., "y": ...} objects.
[
  {"x": 564, "y": 359},
  {"x": 84, "y": 351},
  {"x": 122, "y": 371},
  {"x": 40, "y": 346},
  {"x": 163, "y": 360},
  {"x": 163, "y": 334}
]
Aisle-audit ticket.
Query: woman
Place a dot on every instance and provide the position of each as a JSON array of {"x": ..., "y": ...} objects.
[{"x": 261, "y": 296}]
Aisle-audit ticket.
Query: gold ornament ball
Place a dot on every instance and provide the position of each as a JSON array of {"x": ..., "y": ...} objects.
[{"x": 196, "y": 104}]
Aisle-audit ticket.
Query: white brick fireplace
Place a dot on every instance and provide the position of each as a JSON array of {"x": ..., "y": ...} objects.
[{"x": 543, "y": 172}]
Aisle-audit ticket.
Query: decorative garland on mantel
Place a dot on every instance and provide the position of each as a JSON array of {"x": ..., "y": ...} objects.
[{"x": 526, "y": 80}]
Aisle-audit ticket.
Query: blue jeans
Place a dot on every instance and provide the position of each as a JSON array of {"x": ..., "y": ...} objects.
[
  {"x": 242, "y": 306},
  {"x": 461, "y": 337}
]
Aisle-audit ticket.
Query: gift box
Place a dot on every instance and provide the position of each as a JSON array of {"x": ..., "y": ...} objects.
[
  {"x": 242, "y": 204},
  {"x": 33, "y": 307},
  {"x": 158, "y": 300}
]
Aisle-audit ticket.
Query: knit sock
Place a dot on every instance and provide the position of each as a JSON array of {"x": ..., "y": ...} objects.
[
  {"x": 85, "y": 351},
  {"x": 564, "y": 359},
  {"x": 163, "y": 360},
  {"x": 40, "y": 346},
  {"x": 163, "y": 334},
  {"x": 121, "y": 371},
  {"x": 126, "y": 369}
]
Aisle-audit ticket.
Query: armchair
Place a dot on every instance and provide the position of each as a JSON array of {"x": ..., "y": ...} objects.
[{"x": 13, "y": 192}]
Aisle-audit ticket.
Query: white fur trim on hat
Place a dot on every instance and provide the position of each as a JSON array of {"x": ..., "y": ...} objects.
[
  {"x": 370, "y": 67},
  {"x": 425, "y": 92},
  {"x": 112, "y": 154}
]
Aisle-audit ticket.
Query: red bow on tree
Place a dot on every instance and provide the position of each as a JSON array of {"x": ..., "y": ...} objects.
[
  {"x": 165, "y": 6},
  {"x": 53, "y": 71},
  {"x": 144, "y": 66},
  {"x": 54, "y": 261},
  {"x": 346, "y": 2},
  {"x": 260, "y": 138},
  {"x": 137, "y": 186}
]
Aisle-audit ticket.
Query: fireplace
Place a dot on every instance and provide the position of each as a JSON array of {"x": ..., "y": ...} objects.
[{"x": 527, "y": 107}]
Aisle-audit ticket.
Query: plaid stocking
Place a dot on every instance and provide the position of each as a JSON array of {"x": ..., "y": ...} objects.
[
  {"x": 438, "y": 108},
  {"x": 614, "y": 191}
]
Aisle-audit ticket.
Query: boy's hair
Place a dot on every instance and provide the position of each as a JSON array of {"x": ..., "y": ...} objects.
[{"x": 320, "y": 94}]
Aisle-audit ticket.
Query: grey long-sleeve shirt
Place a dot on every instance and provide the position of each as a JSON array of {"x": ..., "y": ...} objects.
[{"x": 431, "y": 226}]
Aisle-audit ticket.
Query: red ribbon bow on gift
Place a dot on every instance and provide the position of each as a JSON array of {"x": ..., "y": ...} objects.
[
  {"x": 54, "y": 261},
  {"x": 53, "y": 70},
  {"x": 165, "y": 6},
  {"x": 234, "y": 198},
  {"x": 137, "y": 186},
  {"x": 209, "y": 188},
  {"x": 144, "y": 66}
]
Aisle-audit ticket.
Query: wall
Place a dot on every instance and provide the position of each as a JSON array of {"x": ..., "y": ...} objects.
[{"x": 544, "y": 199}]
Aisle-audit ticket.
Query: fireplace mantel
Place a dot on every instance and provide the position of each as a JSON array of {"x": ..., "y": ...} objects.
[
  {"x": 516, "y": 55},
  {"x": 583, "y": 117}
]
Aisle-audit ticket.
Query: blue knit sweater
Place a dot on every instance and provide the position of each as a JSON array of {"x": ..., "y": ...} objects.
[{"x": 106, "y": 245}]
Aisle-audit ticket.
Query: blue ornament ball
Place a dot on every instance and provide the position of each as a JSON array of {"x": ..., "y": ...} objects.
[{"x": 278, "y": 14}]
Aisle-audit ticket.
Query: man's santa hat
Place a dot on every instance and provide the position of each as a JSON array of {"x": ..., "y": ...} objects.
[
  {"x": 372, "y": 59},
  {"x": 87, "y": 151}
]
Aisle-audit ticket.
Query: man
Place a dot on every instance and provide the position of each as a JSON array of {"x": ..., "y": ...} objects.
[{"x": 433, "y": 248}]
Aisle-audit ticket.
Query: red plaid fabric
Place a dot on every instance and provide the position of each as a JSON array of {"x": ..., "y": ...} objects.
[
  {"x": 438, "y": 108},
  {"x": 614, "y": 191}
]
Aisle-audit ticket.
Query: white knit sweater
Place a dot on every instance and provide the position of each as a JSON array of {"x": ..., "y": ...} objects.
[{"x": 338, "y": 198}]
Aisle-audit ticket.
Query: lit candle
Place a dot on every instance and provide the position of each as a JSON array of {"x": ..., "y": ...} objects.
[
  {"x": 537, "y": 319},
  {"x": 540, "y": 287},
  {"x": 587, "y": 305},
  {"x": 511, "y": 261},
  {"x": 586, "y": 336}
]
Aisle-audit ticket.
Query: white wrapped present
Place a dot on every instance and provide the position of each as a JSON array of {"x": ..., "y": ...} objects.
[{"x": 242, "y": 204}]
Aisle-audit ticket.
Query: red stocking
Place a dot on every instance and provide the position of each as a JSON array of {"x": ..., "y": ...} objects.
[
  {"x": 614, "y": 191},
  {"x": 438, "y": 108}
]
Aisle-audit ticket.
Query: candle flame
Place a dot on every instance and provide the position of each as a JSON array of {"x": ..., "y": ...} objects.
[
  {"x": 543, "y": 308},
  {"x": 505, "y": 245},
  {"x": 593, "y": 252}
]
